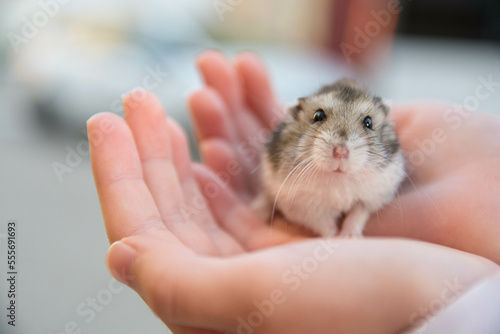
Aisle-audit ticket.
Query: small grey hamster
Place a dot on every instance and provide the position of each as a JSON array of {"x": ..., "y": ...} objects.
[{"x": 332, "y": 161}]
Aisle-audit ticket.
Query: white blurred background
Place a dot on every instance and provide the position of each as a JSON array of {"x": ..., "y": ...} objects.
[{"x": 61, "y": 61}]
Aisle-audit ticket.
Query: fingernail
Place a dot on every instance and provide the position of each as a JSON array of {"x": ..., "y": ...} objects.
[
  {"x": 91, "y": 118},
  {"x": 134, "y": 98},
  {"x": 119, "y": 260}
]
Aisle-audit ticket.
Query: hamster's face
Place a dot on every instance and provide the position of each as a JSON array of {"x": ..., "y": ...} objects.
[{"x": 344, "y": 131}]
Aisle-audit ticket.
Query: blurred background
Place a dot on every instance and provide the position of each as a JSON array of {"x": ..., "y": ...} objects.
[{"x": 62, "y": 61}]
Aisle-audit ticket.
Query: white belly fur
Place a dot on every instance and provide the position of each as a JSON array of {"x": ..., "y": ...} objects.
[{"x": 318, "y": 201}]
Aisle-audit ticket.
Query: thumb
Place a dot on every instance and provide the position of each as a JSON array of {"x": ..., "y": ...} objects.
[{"x": 181, "y": 287}]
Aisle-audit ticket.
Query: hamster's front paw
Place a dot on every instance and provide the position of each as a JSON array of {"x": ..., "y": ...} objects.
[
  {"x": 330, "y": 231},
  {"x": 350, "y": 234},
  {"x": 325, "y": 229},
  {"x": 354, "y": 223}
]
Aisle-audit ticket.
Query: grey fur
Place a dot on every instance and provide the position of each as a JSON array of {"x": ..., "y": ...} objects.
[
  {"x": 341, "y": 102},
  {"x": 330, "y": 172}
]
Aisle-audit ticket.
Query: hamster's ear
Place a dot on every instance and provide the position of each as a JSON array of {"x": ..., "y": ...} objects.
[
  {"x": 297, "y": 108},
  {"x": 387, "y": 104},
  {"x": 384, "y": 104}
]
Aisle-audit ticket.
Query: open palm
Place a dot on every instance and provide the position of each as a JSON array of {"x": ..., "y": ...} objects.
[
  {"x": 452, "y": 194},
  {"x": 186, "y": 240}
]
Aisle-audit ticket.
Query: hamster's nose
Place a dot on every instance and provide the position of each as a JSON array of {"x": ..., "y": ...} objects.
[{"x": 341, "y": 152}]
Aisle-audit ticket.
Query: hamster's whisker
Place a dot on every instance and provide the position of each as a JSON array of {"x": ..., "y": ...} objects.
[
  {"x": 312, "y": 171},
  {"x": 295, "y": 182},
  {"x": 310, "y": 136},
  {"x": 297, "y": 159},
  {"x": 294, "y": 178},
  {"x": 309, "y": 170},
  {"x": 386, "y": 159},
  {"x": 283, "y": 183},
  {"x": 302, "y": 146},
  {"x": 412, "y": 182},
  {"x": 315, "y": 137},
  {"x": 397, "y": 196}
]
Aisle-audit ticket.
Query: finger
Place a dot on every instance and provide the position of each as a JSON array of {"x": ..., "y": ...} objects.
[
  {"x": 449, "y": 218},
  {"x": 181, "y": 157},
  {"x": 210, "y": 115},
  {"x": 195, "y": 206},
  {"x": 259, "y": 95},
  {"x": 252, "y": 138},
  {"x": 146, "y": 120},
  {"x": 118, "y": 178},
  {"x": 212, "y": 120},
  {"x": 171, "y": 280},
  {"x": 219, "y": 73},
  {"x": 220, "y": 157},
  {"x": 235, "y": 217},
  {"x": 175, "y": 329},
  {"x": 227, "y": 209}
]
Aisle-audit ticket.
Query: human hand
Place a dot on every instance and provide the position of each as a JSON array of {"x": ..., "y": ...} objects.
[
  {"x": 148, "y": 189},
  {"x": 452, "y": 194},
  {"x": 203, "y": 262}
]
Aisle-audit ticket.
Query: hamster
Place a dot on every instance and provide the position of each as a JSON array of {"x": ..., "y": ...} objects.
[{"x": 332, "y": 161}]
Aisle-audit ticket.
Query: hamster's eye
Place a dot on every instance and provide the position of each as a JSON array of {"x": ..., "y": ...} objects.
[
  {"x": 319, "y": 116},
  {"x": 367, "y": 122}
]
